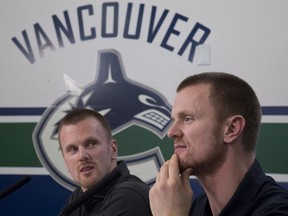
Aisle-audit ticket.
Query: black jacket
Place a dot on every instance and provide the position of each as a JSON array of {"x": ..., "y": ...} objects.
[
  {"x": 257, "y": 195},
  {"x": 117, "y": 194}
]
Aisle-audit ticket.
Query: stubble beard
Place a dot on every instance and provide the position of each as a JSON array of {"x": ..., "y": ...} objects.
[{"x": 209, "y": 165}]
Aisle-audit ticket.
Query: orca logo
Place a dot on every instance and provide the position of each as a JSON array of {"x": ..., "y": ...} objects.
[{"x": 123, "y": 102}]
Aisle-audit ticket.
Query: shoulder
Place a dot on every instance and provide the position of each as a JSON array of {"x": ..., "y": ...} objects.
[
  {"x": 132, "y": 185},
  {"x": 272, "y": 199},
  {"x": 130, "y": 197},
  {"x": 271, "y": 189}
]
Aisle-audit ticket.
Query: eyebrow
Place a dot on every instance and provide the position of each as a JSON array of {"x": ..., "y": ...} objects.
[{"x": 69, "y": 146}]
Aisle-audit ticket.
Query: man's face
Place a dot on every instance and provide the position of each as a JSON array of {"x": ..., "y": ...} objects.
[
  {"x": 198, "y": 138},
  {"x": 88, "y": 153}
]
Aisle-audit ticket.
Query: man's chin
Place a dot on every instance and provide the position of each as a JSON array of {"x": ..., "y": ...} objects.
[
  {"x": 183, "y": 167},
  {"x": 88, "y": 183}
]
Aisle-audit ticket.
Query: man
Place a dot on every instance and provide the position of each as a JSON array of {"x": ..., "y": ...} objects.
[
  {"x": 106, "y": 187},
  {"x": 216, "y": 121}
]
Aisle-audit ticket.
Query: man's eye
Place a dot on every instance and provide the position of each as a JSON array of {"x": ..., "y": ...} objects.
[
  {"x": 188, "y": 120},
  {"x": 91, "y": 144},
  {"x": 72, "y": 149}
]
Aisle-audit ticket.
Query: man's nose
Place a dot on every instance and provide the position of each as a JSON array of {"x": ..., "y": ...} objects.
[
  {"x": 174, "y": 131},
  {"x": 83, "y": 154}
]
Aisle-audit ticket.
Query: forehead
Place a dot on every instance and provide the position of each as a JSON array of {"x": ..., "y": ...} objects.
[
  {"x": 192, "y": 98},
  {"x": 85, "y": 126}
]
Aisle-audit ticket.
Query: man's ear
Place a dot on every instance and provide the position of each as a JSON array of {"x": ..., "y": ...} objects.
[
  {"x": 233, "y": 128},
  {"x": 114, "y": 148}
]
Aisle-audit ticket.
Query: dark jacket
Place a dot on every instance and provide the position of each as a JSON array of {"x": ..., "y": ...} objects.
[
  {"x": 118, "y": 193},
  {"x": 257, "y": 195}
]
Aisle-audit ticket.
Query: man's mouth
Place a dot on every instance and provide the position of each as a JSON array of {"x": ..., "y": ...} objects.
[
  {"x": 86, "y": 169},
  {"x": 179, "y": 148}
]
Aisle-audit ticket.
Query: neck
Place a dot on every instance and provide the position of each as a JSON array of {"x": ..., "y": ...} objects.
[{"x": 222, "y": 184}]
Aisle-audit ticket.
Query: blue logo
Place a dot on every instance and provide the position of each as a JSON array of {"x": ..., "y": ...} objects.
[{"x": 122, "y": 101}]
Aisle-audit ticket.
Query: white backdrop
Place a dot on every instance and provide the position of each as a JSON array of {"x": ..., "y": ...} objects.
[{"x": 248, "y": 38}]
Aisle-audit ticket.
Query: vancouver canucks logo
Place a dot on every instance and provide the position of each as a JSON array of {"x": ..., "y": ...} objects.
[{"x": 130, "y": 107}]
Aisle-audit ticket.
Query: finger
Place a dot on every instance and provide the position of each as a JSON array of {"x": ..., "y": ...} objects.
[
  {"x": 174, "y": 167},
  {"x": 157, "y": 178},
  {"x": 185, "y": 177},
  {"x": 163, "y": 173}
]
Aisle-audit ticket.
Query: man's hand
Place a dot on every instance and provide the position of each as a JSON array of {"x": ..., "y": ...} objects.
[{"x": 171, "y": 195}]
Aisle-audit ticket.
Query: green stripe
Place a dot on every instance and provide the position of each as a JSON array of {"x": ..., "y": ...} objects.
[
  {"x": 272, "y": 148},
  {"x": 135, "y": 140},
  {"x": 17, "y": 148}
]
